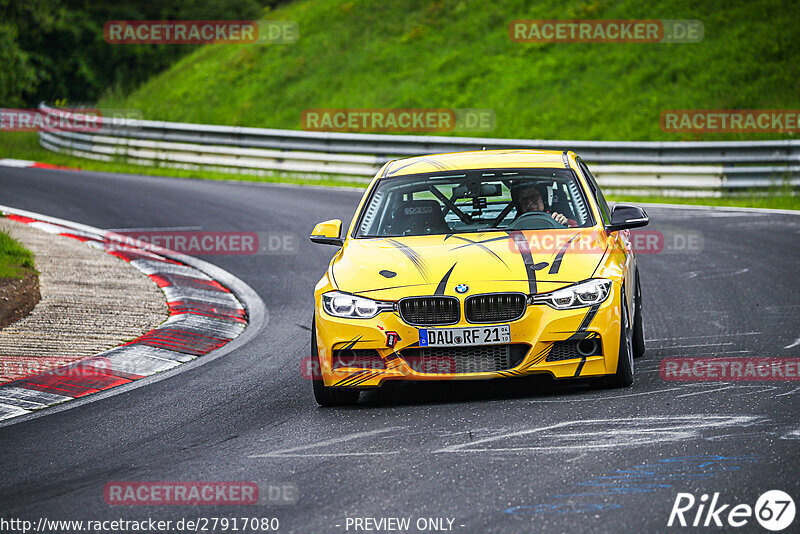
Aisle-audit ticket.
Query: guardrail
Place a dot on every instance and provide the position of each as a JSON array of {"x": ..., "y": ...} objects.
[{"x": 689, "y": 168}]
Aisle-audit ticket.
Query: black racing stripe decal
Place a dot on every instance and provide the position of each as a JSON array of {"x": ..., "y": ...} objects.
[
  {"x": 364, "y": 379},
  {"x": 588, "y": 318},
  {"x": 415, "y": 258},
  {"x": 582, "y": 328},
  {"x": 556, "y": 265},
  {"x": 393, "y": 361},
  {"x": 355, "y": 376},
  {"x": 436, "y": 163},
  {"x": 471, "y": 242},
  {"x": 601, "y": 260},
  {"x": 400, "y": 168},
  {"x": 498, "y": 153},
  {"x": 539, "y": 358},
  {"x": 443, "y": 282},
  {"x": 542, "y": 356},
  {"x": 525, "y": 251},
  {"x": 392, "y": 357},
  {"x": 439, "y": 165},
  {"x": 390, "y": 287},
  {"x": 351, "y": 343},
  {"x": 481, "y": 245}
]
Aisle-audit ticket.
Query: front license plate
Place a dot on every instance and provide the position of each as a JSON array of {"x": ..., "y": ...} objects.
[{"x": 463, "y": 337}]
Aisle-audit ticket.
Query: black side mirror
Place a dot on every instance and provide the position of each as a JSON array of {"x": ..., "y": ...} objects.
[
  {"x": 327, "y": 233},
  {"x": 625, "y": 216}
]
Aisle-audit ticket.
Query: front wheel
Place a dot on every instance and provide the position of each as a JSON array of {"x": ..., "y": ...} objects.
[
  {"x": 623, "y": 378},
  {"x": 324, "y": 395}
]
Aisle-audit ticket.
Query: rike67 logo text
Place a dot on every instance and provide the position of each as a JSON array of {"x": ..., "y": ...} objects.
[{"x": 774, "y": 510}]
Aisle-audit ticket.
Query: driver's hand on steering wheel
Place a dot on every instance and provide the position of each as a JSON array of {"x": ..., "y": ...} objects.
[{"x": 559, "y": 218}]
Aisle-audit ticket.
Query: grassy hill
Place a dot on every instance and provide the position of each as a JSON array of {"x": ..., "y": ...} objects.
[{"x": 457, "y": 54}]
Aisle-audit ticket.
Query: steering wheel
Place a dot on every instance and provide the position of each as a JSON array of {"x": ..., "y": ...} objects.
[{"x": 534, "y": 220}]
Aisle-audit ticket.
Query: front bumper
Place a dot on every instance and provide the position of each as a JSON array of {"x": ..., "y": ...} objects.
[{"x": 538, "y": 329}]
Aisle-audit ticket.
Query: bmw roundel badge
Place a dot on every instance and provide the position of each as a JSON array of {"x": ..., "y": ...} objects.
[{"x": 462, "y": 288}]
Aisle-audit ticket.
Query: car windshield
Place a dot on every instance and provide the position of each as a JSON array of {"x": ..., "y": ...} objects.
[{"x": 475, "y": 201}]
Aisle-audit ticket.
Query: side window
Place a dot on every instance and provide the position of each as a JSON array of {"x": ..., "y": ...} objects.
[{"x": 605, "y": 213}]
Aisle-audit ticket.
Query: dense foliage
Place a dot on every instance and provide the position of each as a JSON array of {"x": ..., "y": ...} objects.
[{"x": 54, "y": 49}]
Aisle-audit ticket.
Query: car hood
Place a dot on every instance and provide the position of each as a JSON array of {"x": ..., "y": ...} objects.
[{"x": 525, "y": 261}]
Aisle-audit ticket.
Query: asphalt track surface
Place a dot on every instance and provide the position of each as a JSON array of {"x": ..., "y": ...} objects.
[{"x": 493, "y": 456}]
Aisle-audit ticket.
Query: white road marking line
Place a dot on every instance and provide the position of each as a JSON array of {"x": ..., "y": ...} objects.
[
  {"x": 15, "y": 393},
  {"x": 733, "y": 386},
  {"x": 20, "y": 163},
  {"x": 692, "y": 346},
  {"x": 794, "y": 434},
  {"x": 792, "y": 345},
  {"x": 728, "y": 215},
  {"x": 610, "y": 433},
  {"x": 705, "y": 275},
  {"x": 333, "y": 441},
  {"x": 720, "y": 437},
  {"x": 729, "y": 334},
  {"x": 703, "y": 392},
  {"x": 605, "y": 398},
  {"x": 49, "y": 228},
  {"x": 714, "y": 355},
  {"x": 8, "y": 411},
  {"x": 324, "y": 454},
  {"x": 788, "y": 392}
]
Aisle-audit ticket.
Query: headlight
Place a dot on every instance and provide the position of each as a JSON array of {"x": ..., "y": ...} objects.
[
  {"x": 579, "y": 295},
  {"x": 341, "y": 304}
]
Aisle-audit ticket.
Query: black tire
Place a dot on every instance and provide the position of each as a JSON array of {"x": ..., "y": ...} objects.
[
  {"x": 324, "y": 395},
  {"x": 638, "y": 326},
  {"x": 623, "y": 378}
]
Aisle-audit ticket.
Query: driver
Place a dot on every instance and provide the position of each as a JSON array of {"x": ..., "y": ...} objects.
[{"x": 529, "y": 198}]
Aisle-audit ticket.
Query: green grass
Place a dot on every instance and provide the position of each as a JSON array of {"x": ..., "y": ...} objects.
[
  {"x": 15, "y": 260},
  {"x": 457, "y": 54},
  {"x": 780, "y": 200}
]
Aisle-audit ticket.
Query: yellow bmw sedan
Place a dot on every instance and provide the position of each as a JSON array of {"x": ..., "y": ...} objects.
[{"x": 478, "y": 265}]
